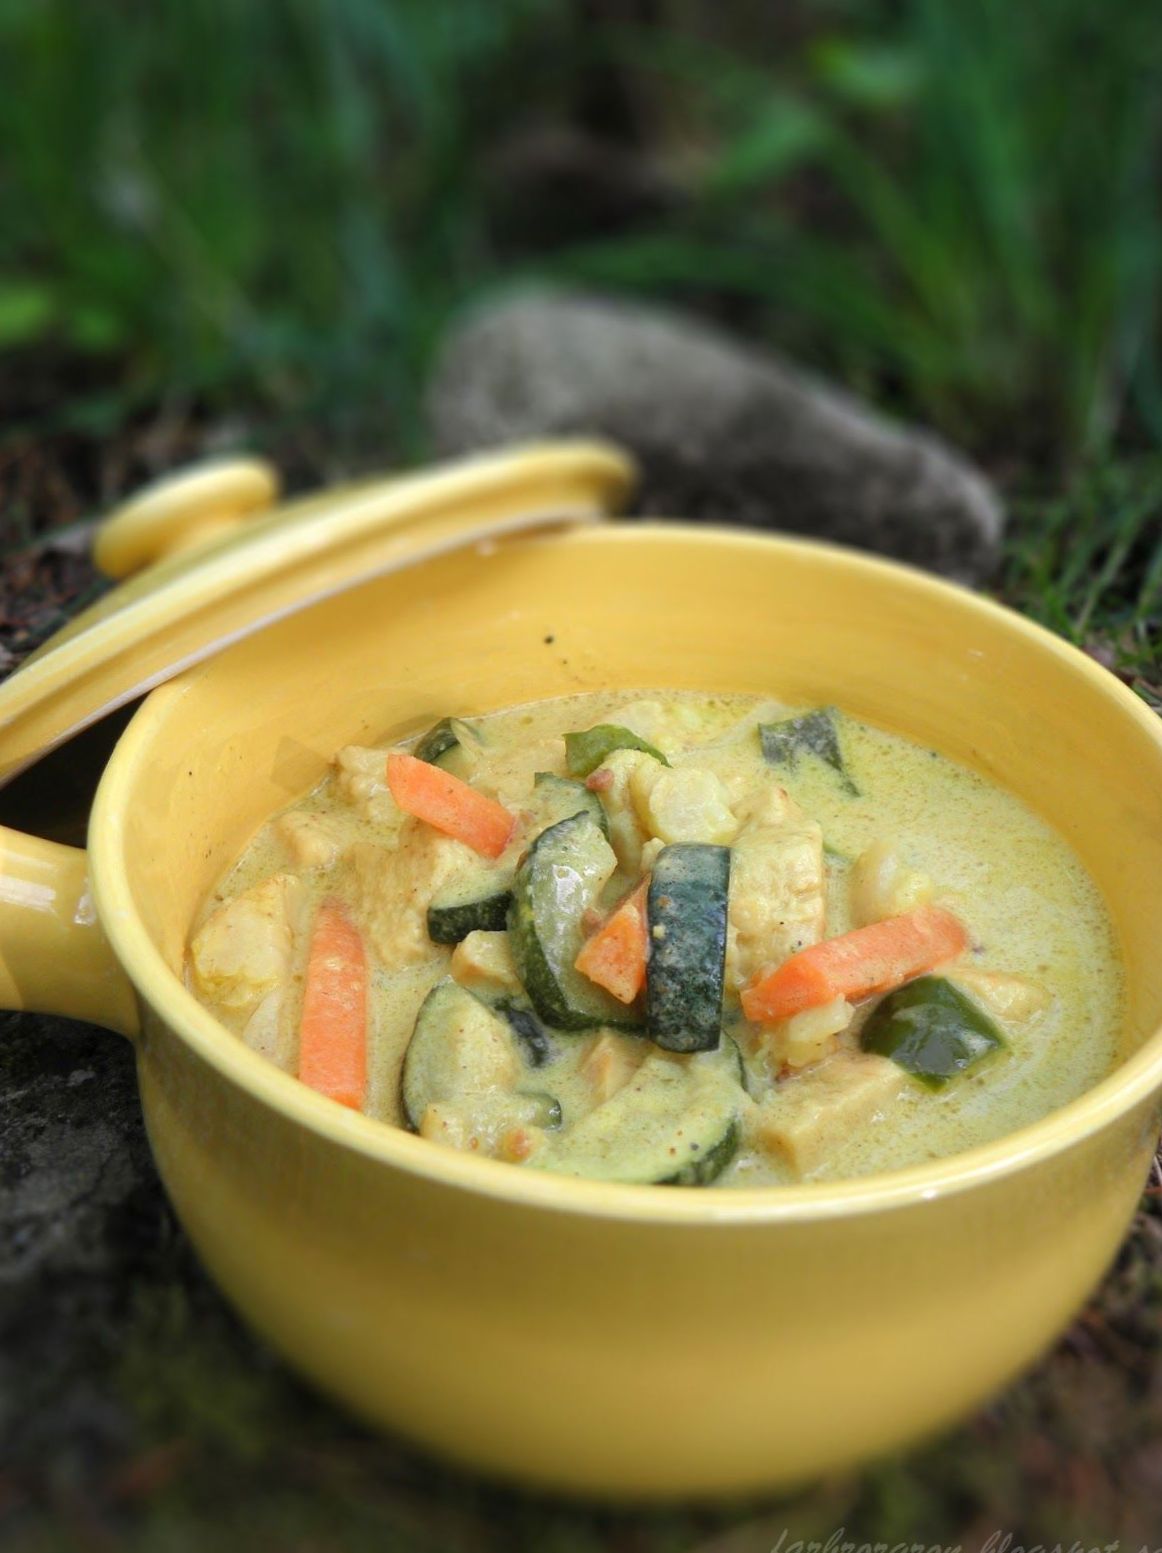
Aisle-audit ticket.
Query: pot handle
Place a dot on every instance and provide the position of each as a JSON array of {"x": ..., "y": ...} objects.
[{"x": 54, "y": 956}]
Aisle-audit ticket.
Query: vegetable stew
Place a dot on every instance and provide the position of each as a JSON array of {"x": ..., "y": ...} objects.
[{"x": 668, "y": 938}]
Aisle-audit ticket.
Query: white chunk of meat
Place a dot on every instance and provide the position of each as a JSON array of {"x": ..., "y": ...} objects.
[
  {"x": 805, "y": 1118},
  {"x": 483, "y": 962},
  {"x": 761, "y": 799},
  {"x": 631, "y": 773},
  {"x": 807, "y": 1037},
  {"x": 390, "y": 889},
  {"x": 361, "y": 781},
  {"x": 882, "y": 885},
  {"x": 270, "y": 1031},
  {"x": 687, "y": 803},
  {"x": 313, "y": 840},
  {"x": 244, "y": 949},
  {"x": 1006, "y": 996},
  {"x": 610, "y": 1063},
  {"x": 776, "y": 896}
]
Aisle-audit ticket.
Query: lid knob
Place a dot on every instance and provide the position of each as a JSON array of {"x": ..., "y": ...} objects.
[
  {"x": 285, "y": 557},
  {"x": 184, "y": 510}
]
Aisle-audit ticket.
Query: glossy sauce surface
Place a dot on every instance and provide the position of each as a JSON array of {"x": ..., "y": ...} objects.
[{"x": 1030, "y": 908}]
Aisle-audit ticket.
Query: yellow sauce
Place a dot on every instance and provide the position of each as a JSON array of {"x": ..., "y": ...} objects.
[{"x": 1030, "y": 907}]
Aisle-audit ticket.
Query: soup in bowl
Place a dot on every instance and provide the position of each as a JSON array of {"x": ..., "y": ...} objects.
[
  {"x": 615, "y": 1336},
  {"x": 676, "y": 939}
]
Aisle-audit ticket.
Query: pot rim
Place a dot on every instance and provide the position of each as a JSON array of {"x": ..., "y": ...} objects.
[{"x": 1131, "y": 1084}]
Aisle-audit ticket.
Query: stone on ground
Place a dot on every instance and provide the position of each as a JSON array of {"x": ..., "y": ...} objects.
[{"x": 724, "y": 432}]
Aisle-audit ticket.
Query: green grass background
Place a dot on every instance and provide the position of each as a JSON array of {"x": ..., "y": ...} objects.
[{"x": 265, "y": 215}]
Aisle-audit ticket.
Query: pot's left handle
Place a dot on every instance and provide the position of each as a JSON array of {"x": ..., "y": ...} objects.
[{"x": 54, "y": 956}]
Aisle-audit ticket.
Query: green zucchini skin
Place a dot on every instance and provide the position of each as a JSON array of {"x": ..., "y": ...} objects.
[
  {"x": 536, "y": 1044},
  {"x": 585, "y": 751},
  {"x": 685, "y": 976},
  {"x": 436, "y": 742},
  {"x": 483, "y": 903},
  {"x": 812, "y": 733},
  {"x": 674, "y": 1124},
  {"x": 532, "y": 1037},
  {"x": 555, "y": 798},
  {"x": 709, "y": 1166},
  {"x": 932, "y": 1029},
  {"x": 562, "y": 874},
  {"x": 445, "y": 742},
  {"x": 449, "y": 921},
  {"x": 735, "y": 1051}
]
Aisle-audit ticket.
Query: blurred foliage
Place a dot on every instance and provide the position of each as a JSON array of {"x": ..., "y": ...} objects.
[
  {"x": 273, "y": 203},
  {"x": 957, "y": 203},
  {"x": 277, "y": 207},
  {"x": 1088, "y": 564}
]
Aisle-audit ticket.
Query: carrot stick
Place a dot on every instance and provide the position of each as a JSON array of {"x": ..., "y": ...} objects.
[
  {"x": 449, "y": 805},
  {"x": 615, "y": 956},
  {"x": 871, "y": 959},
  {"x": 333, "y": 1028}
]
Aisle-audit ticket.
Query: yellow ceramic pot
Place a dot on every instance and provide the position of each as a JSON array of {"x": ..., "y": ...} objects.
[{"x": 611, "y": 1340}]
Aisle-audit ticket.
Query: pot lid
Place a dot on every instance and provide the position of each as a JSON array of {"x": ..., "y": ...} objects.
[{"x": 207, "y": 556}]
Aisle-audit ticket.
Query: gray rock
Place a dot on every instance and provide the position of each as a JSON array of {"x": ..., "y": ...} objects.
[{"x": 724, "y": 433}]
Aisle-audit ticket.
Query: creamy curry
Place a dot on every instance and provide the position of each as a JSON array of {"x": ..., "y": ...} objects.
[{"x": 668, "y": 938}]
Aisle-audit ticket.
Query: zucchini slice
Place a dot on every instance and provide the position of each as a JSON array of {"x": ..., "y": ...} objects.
[
  {"x": 450, "y": 745},
  {"x": 674, "y": 1124},
  {"x": 535, "y": 1044},
  {"x": 740, "y": 1073},
  {"x": 462, "y": 1053},
  {"x": 585, "y": 751},
  {"x": 931, "y": 1029},
  {"x": 686, "y": 908},
  {"x": 812, "y": 733},
  {"x": 458, "y": 1047},
  {"x": 555, "y": 798},
  {"x": 707, "y": 1167},
  {"x": 479, "y": 903},
  {"x": 563, "y": 873}
]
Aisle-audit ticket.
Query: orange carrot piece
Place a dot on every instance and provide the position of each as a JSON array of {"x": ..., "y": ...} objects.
[
  {"x": 449, "y": 805},
  {"x": 333, "y": 1028},
  {"x": 876, "y": 958},
  {"x": 615, "y": 956}
]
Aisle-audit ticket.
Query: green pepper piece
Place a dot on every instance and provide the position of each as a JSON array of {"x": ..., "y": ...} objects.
[
  {"x": 932, "y": 1029},
  {"x": 812, "y": 733},
  {"x": 584, "y": 752}
]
